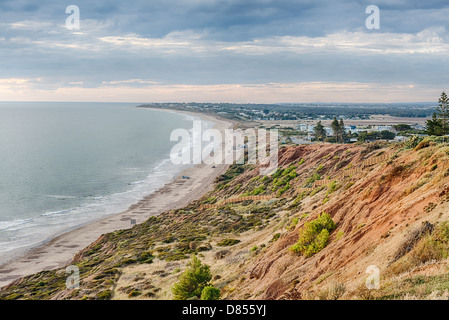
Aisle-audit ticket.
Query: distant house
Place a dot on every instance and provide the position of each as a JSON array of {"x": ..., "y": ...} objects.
[
  {"x": 310, "y": 137},
  {"x": 383, "y": 128},
  {"x": 350, "y": 128},
  {"x": 418, "y": 127},
  {"x": 329, "y": 131},
  {"x": 400, "y": 138},
  {"x": 303, "y": 127}
]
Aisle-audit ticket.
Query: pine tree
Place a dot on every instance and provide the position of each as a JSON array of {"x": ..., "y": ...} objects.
[
  {"x": 443, "y": 113},
  {"x": 192, "y": 282},
  {"x": 320, "y": 132},
  {"x": 342, "y": 131},
  {"x": 336, "y": 128},
  {"x": 433, "y": 126}
]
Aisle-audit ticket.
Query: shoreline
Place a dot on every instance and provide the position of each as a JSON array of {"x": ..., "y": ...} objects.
[{"x": 59, "y": 251}]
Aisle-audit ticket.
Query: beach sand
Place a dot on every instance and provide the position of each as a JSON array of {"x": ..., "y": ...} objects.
[{"x": 59, "y": 251}]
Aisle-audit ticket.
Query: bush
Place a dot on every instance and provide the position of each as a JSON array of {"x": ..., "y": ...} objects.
[
  {"x": 275, "y": 237},
  {"x": 105, "y": 295},
  {"x": 134, "y": 293},
  {"x": 334, "y": 292},
  {"x": 293, "y": 224},
  {"x": 227, "y": 242},
  {"x": 332, "y": 187},
  {"x": 283, "y": 189},
  {"x": 192, "y": 281},
  {"x": 210, "y": 293},
  {"x": 146, "y": 257},
  {"x": 314, "y": 235},
  {"x": 423, "y": 144},
  {"x": 412, "y": 142},
  {"x": 260, "y": 189},
  {"x": 433, "y": 246},
  {"x": 309, "y": 182},
  {"x": 442, "y": 232},
  {"x": 282, "y": 177}
]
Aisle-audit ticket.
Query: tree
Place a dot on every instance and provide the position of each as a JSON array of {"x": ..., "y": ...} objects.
[
  {"x": 402, "y": 127},
  {"x": 336, "y": 128},
  {"x": 343, "y": 135},
  {"x": 433, "y": 126},
  {"x": 210, "y": 293},
  {"x": 319, "y": 131},
  {"x": 362, "y": 136},
  {"x": 192, "y": 282},
  {"x": 387, "y": 135},
  {"x": 339, "y": 130},
  {"x": 443, "y": 113}
]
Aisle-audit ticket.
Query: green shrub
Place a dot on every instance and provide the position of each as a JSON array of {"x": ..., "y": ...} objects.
[
  {"x": 339, "y": 235},
  {"x": 260, "y": 189},
  {"x": 228, "y": 242},
  {"x": 412, "y": 142},
  {"x": 192, "y": 281},
  {"x": 210, "y": 293},
  {"x": 275, "y": 237},
  {"x": 293, "y": 224},
  {"x": 134, "y": 293},
  {"x": 233, "y": 171},
  {"x": 314, "y": 235},
  {"x": 434, "y": 246},
  {"x": 104, "y": 295},
  {"x": 211, "y": 200},
  {"x": 304, "y": 215},
  {"x": 332, "y": 187},
  {"x": 283, "y": 189},
  {"x": 278, "y": 173},
  {"x": 315, "y": 176},
  {"x": 442, "y": 232},
  {"x": 297, "y": 200},
  {"x": 146, "y": 257},
  {"x": 282, "y": 177},
  {"x": 349, "y": 185}
]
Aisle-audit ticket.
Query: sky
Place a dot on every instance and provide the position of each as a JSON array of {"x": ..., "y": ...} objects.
[{"x": 242, "y": 51}]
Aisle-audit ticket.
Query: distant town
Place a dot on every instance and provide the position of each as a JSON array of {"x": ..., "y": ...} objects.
[{"x": 298, "y": 123}]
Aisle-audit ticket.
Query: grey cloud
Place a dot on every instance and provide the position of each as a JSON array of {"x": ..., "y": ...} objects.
[{"x": 45, "y": 51}]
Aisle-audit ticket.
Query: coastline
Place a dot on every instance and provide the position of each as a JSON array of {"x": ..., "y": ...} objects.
[{"x": 59, "y": 251}]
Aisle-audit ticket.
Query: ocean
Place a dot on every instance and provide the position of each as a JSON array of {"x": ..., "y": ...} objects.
[{"x": 65, "y": 164}]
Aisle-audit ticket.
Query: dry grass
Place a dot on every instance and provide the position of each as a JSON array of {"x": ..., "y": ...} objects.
[
  {"x": 413, "y": 237},
  {"x": 333, "y": 292}
]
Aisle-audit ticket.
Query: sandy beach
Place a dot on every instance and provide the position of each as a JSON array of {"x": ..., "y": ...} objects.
[{"x": 59, "y": 251}]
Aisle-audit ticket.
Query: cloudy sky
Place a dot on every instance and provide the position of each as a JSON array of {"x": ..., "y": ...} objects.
[{"x": 260, "y": 51}]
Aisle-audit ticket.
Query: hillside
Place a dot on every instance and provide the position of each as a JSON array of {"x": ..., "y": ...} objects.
[{"x": 388, "y": 202}]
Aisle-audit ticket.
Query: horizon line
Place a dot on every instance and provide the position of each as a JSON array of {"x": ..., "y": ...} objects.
[{"x": 243, "y": 103}]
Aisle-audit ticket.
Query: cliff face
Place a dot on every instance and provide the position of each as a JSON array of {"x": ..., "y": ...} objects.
[
  {"x": 375, "y": 210},
  {"x": 388, "y": 202}
]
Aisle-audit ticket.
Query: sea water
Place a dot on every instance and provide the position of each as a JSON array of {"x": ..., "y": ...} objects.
[{"x": 65, "y": 164}]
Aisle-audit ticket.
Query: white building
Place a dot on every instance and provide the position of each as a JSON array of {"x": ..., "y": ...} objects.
[{"x": 383, "y": 128}]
